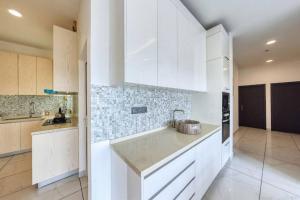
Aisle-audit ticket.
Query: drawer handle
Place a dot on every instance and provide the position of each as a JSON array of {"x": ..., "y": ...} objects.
[
  {"x": 192, "y": 196},
  {"x": 184, "y": 188},
  {"x": 172, "y": 180}
]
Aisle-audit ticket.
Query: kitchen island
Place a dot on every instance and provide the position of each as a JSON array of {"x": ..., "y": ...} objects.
[
  {"x": 166, "y": 164},
  {"x": 54, "y": 152}
]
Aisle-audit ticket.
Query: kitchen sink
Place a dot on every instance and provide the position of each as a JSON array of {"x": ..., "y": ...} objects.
[{"x": 189, "y": 127}]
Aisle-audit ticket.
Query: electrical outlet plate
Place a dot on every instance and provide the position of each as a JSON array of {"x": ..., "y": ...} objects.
[{"x": 138, "y": 110}]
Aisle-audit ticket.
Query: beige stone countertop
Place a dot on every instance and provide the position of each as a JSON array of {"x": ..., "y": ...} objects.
[
  {"x": 148, "y": 152},
  {"x": 56, "y": 127},
  {"x": 21, "y": 120}
]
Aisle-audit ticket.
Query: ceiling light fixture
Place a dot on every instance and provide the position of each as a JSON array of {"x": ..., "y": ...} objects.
[
  {"x": 269, "y": 61},
  {"x": 271, "y": 42},
  {"x": 15, "y": 13}
]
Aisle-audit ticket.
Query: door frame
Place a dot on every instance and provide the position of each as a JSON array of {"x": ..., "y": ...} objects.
[{"x": 82, "y": 112}]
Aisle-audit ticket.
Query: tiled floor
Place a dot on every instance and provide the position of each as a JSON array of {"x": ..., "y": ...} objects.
[
  {"x": 266, "y": 166},
  {"x": 15, "y": 183}
]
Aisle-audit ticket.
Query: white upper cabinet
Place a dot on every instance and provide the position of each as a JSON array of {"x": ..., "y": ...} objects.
[
  {"x": 186, "y": 34},
  {"x": 218, "y": 49},
  {"x": 217, "y": 43},
  {"x": 141, "y": 42},
  {"x": 191, "y": 54},
  {"x": 65, "y": 67},
  {"x": 153, "y": 42},
  {"x": 167, "y": 44}
]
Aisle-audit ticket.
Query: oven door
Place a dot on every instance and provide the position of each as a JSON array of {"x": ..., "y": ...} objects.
[{"x": 225, "y": 130}]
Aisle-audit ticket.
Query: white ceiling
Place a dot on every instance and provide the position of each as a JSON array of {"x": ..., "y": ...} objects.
[
  {"x": 253, "y": 22},
  {"x": 35, "y": 27}
]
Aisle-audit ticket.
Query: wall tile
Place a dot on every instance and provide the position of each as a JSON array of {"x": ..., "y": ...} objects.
[
  {"x": 111, "y": 109},
  {"x": 19, "y": 105}
]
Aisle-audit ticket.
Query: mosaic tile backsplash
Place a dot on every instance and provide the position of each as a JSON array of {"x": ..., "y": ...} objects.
[
  {"x": 19, "y": 105},
  {"x": 111, "y": 109}
]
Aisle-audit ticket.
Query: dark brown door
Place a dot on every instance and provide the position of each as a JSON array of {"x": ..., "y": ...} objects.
[
  {"x": 285, "y": 107},
  {"x": 252, "y": 106}
]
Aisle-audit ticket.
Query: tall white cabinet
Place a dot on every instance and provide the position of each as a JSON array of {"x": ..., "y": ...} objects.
[
  {"x": 207, "y": 107},
  {"x": 65, "y": 61},
  {"x": 155, "y": 42}
]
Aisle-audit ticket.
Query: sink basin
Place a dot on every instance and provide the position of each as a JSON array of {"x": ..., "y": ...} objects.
[{"x": 190, "y": 127}]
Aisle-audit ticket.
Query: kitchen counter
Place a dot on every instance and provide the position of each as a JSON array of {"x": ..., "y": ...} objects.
[
  {"x": 146, "y": 153},
  {"x": 55, "y": 127},
  {"x": 21, "y": 120}
]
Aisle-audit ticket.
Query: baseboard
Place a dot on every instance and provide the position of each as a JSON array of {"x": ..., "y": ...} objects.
[
  {"x": 57, "y": 178},
  {"x": 14, "y": 153},
  {"x": 82, "y": 173}
]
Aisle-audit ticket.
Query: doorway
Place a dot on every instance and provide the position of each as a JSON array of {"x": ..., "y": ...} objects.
[
  {"x": 252, "y": 106},
  {"x": 285, "y": 107}
]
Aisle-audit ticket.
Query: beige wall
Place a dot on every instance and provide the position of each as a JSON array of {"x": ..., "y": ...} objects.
[{"x": 269, "y": 73}]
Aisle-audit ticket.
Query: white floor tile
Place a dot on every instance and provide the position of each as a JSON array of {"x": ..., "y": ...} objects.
[
  {"x": 282, "y": 175},
  {"x": 269, "y": 192},
  {"x": 232, "y": 185},
  {"x": 247, "y": 163}
]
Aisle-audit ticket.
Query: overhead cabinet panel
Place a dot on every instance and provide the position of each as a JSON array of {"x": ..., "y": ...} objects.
[
  {"x": 44, "y": 75},
  {"x": 186, "y": 59},
  {"x": 141, "y": 42},
  {"x": 65, "y": 67},
  {"x": 8, "y": 73},
  {"x": 164, "y": 45},
  {"x": 167, "y": 44},
  {"x": 27, "y": 75}
]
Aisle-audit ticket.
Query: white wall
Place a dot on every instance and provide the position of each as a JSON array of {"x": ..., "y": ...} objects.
[
  {"x": 83, "y": 43},
  {"x": 235, "y": 97},
  {"x": 23, "y": 49},
  {"x": 269, "y": 73}
]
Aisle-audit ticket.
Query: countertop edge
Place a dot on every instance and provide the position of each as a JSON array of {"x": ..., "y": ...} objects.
[
  {"x": 11, "y": 121},
  {"x": 53, "y": 130},
  {"x": 166, "y": 159}
]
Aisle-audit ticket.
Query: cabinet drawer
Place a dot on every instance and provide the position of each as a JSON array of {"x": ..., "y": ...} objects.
[
  {"x": 177, "y": 188},
  {"x": 188, "y": 191},
  {"x": 160, "y": 178}
]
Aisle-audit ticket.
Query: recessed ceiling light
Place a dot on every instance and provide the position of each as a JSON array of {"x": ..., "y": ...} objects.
[
  {"x": 269, "y": 61},
  {"x": 15, "y": 13},
  {"x": 271, "y": 42}
]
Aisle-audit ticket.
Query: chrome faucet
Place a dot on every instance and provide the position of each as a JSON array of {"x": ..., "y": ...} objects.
[
  {"x": 31, "y": 109},
  {"x": 174, "y": 120}
]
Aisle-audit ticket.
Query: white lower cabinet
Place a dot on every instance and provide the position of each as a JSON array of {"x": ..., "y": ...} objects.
[
  {"x": 188, "y": 176},
  {"x": 208, "y": 162},
  {"x": 166, "y": 175},
  {"x": 225, "y": 152},
  {"x": 54, "y": 155}
]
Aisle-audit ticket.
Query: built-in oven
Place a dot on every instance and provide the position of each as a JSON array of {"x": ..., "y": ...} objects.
[{"x": 225, "y": 116}]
